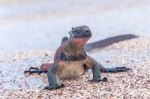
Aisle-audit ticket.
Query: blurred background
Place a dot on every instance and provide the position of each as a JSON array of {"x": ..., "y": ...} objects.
[{"x": 40, "y": 24}]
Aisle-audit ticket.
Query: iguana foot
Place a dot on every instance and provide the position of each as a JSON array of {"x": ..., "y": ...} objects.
[
  {"x": 117, "y": 69},
  {"x": 99, "y": 79},
  {"x": 54, "y": 87},
  {"x": 34, "y": 70}
]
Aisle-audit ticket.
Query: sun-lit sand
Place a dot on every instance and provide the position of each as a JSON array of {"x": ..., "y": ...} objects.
[
  {"x": 135, "y": 83},
  {"x": 31, "y": 30}
]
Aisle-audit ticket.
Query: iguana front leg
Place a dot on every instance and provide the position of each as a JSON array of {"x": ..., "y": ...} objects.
[
  {"x": 95, "y": 66},
  {"x": 52, "y": 78},
  {"x": 96, "y": 73}
]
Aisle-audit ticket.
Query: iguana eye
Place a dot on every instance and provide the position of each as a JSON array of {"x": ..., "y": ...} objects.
[{"x": 87, "y": 31}]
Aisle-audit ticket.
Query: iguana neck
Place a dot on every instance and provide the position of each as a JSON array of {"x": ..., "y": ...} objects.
[
  {"x": 74, "y": 48},
  {"x": 77, "y": 45},
  {"x": 73, "y": 52}
]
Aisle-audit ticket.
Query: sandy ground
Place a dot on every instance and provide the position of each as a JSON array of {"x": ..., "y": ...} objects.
[
  {"x": 31, "y": 30},
  {"x": 134, "y": 84}
]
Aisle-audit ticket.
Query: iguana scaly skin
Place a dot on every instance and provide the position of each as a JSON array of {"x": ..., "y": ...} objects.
[{"x": 71, "y": 60}]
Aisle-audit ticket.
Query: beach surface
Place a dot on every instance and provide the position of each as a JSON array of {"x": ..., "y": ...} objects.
[
  {"x": 30, "y": 32},
  {"x": 132, "y": 84}
]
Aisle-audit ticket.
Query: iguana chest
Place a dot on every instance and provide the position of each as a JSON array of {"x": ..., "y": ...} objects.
[
  {"x": 73, "y": 59},
  {"x": 71, "y": 69}
]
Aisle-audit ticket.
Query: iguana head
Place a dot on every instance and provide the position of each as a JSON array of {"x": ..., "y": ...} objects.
[
  {"x": 80, "y": 35},
  {"x": 80, "y": 32}
]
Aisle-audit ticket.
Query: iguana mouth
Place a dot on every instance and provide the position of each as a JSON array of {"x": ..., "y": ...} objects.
[{"x": 82, "y": 35}]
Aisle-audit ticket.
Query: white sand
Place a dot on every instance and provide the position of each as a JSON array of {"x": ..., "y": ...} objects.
[
  {"x": 31, "y": 30},
  {"x": 133, "y": 84}
]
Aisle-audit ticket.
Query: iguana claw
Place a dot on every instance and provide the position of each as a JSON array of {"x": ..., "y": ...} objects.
[
  {"x": 34, "y": 70},
  {"x": 55, "y": 87},
  {"x": 98, "y": 80}
]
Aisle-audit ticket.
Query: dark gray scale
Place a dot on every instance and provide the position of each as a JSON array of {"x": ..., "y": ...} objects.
[
  {"x": 65, "y": 57},
  {"x": 64, "y": 39}
]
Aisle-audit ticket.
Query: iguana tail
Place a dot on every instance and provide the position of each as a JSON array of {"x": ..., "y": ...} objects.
[{"x": 108, "y": 41}]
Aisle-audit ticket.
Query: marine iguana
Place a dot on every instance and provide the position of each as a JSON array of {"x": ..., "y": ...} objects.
[{"x": 71, "y": 59}]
